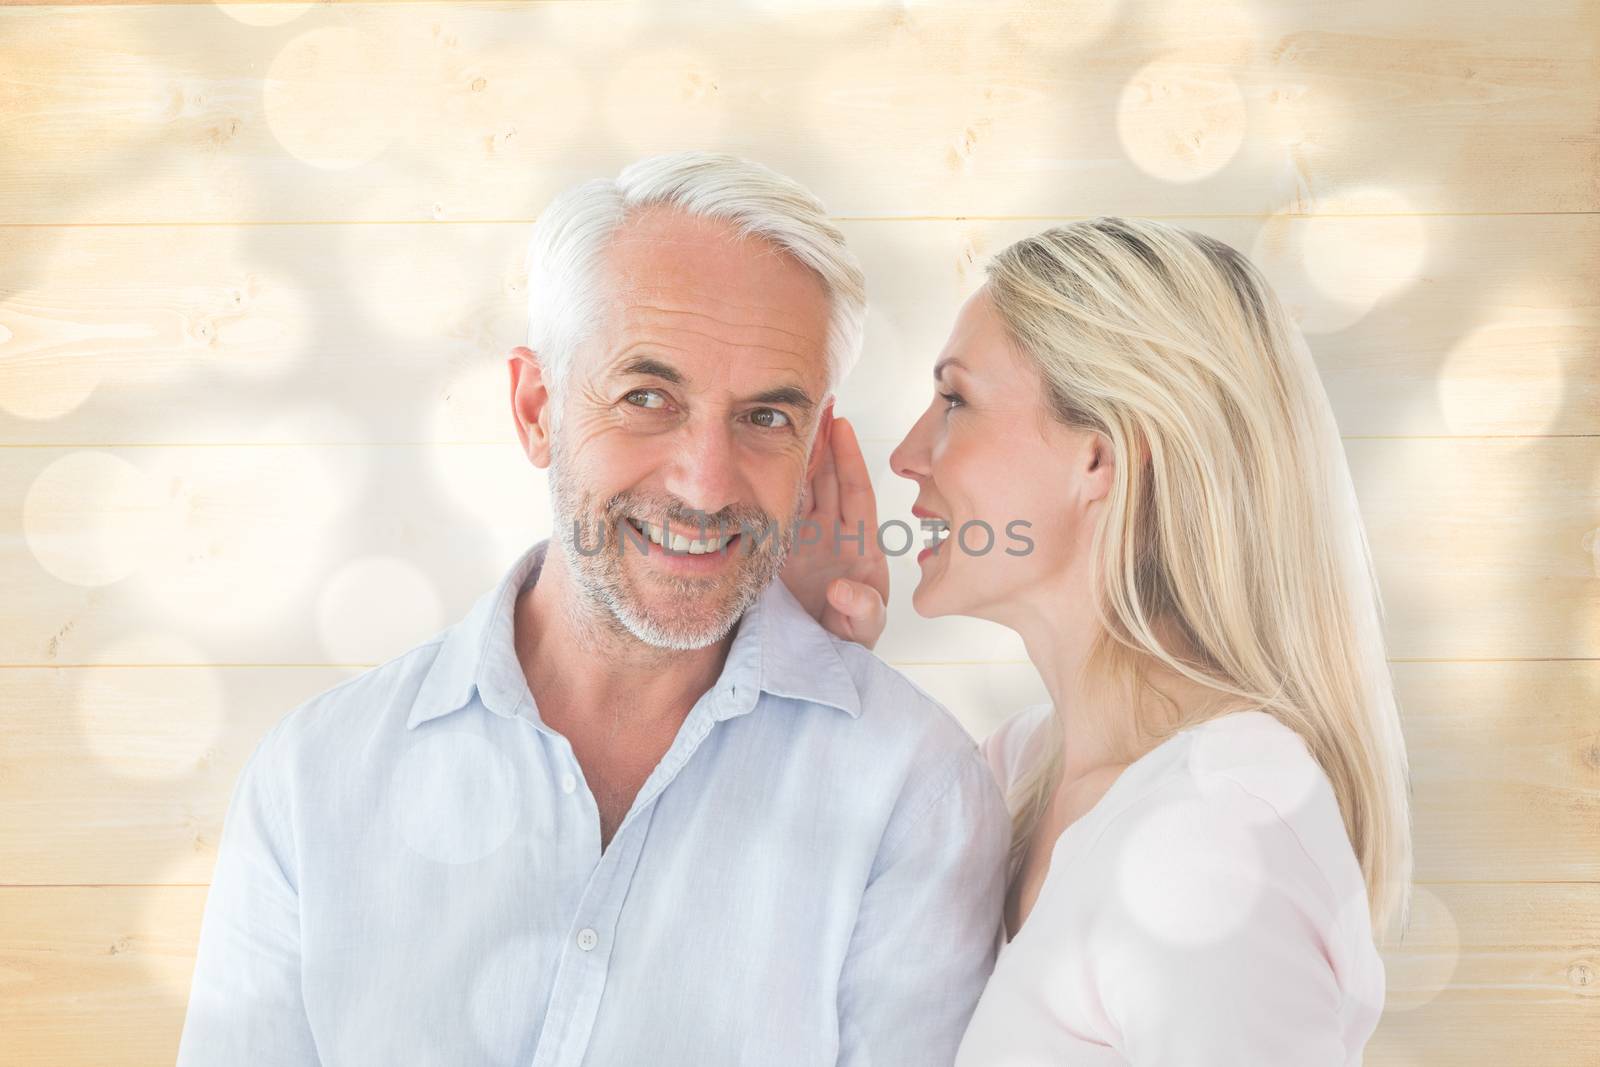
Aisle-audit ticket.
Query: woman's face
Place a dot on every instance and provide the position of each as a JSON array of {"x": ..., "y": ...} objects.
[{"x": 1017, "y": 491}]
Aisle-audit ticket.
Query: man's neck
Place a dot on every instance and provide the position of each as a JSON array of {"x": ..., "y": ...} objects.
[{"x": 584, "y": 662}]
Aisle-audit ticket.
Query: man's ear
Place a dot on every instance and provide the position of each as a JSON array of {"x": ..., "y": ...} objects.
[
  {"x": 532, "y": 406},
  {"x": 822, "y": 440}
]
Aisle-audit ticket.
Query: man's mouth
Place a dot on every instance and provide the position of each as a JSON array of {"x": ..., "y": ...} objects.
[{"x": 660, "y": 535}]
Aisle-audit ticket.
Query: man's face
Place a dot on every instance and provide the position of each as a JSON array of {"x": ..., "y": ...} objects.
[{"x": 692, "y": 407}]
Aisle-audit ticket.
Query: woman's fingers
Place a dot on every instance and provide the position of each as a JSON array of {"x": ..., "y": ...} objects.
[
  {"x": 854, "y": 485},
  {"x": 825, "y": 486},
  {"x": 855, "y": 611},
  {"x": 858, "y": 504}
]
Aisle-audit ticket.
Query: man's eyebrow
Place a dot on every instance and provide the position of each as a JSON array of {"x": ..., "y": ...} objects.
[
  {"x": 790, "y": 395},
  {"x": 652, "y": 367},
  {"x": 787, "y": 394}
]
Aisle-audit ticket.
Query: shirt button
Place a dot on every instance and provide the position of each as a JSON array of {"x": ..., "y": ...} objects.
[
  {"x": 568, "y": 783},
  {"x": 587, "y": 939}
]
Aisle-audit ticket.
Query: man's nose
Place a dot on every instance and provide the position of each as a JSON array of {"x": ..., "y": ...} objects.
[{"x": 704, "y": 472}]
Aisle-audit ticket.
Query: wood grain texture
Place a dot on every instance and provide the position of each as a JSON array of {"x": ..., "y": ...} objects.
[
  {"x": 481, "y": 111},
  {"x": 1474, "y": 950}
]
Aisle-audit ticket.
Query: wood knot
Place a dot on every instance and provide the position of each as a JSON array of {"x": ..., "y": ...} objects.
[{"x": 1591, "y": 756}]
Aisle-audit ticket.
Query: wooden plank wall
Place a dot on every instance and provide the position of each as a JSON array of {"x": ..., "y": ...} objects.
[{"x": 259, "y": 273}]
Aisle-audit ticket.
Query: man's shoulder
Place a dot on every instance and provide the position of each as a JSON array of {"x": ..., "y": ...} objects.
[
  {"x": 943, "y": 767},
  {"x": 894, "y": 712},
  {"x": 376, "y": 700},
  {"x": 893, "y": 705},
  {"x": 916, "y": 741}
]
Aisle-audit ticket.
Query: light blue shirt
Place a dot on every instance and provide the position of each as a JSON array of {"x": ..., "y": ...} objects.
[{"x": 410, "y": 871}]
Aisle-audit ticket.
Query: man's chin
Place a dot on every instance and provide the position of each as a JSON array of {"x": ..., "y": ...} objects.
[
  {"x": 674, "y": 630},
  {"x": 691, "y": 616}
]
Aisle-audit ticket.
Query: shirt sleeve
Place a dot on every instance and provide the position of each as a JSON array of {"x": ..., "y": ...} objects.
[
  {"x": 927, "y": 931},
  {"x": 1208, "y": 945},
  {"x": 245, "y": 1003}
]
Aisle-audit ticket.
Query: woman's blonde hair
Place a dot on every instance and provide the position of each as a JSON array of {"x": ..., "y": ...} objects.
[{"x": 1239, "y": 531}]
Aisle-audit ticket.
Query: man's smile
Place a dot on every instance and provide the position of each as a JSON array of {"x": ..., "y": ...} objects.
[{"x": 676, "y": 552}]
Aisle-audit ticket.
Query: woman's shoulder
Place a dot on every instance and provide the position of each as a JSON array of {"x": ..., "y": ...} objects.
[
  {"x": 1007, "y": 747},
  {"x": 1239, "y": 798},
  {"x": 1226, "y": 862},
  {"x": 1254, "y": 755}
]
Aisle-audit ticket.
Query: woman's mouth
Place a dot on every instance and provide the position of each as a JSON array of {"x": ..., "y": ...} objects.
[{"x": 937, "y": 529}]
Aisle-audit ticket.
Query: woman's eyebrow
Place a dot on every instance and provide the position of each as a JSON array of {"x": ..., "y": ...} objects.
[{"x": 950, "y": 361}]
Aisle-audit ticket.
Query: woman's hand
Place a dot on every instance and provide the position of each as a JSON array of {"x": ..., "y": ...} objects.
[{"x": 843, "y": 582}]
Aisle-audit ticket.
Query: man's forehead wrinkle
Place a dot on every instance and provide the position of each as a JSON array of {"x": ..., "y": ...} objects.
[
  {"x": 632, "y": 347},
  {"x": 663, "y": 344},
  {"x": 629, "y": 245},
  {"x": 654, "y": 293},
  {"x": 652, "y": 310}
]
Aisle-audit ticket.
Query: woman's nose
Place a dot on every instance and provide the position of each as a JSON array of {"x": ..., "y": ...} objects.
[{"x": 910, "y": 457}]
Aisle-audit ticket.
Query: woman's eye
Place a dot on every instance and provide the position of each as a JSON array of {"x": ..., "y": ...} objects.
[
  {"x": 952, "y": 400},
  {"x": 653, "y": 402},
  {"x": 769, "y": 418}
]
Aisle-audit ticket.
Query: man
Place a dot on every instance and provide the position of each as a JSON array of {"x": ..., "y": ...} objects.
[{"x": 637, "y": 807}]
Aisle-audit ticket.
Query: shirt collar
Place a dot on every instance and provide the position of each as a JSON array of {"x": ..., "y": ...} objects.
[{"x": 778, "y": 648}]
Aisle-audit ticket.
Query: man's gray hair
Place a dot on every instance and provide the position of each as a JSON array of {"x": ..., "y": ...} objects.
[{"x": 569, "y": 239}]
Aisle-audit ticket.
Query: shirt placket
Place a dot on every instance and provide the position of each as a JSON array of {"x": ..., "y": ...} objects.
[{"x": 586, "y": 951}]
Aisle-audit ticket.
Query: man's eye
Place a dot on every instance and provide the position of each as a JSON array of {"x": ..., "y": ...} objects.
[
  {"x": 652, "y": 399},
  {"x": 769, "y": 418}
]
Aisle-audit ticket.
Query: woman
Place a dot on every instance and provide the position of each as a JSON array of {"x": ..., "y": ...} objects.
[{"x": 1210, "y": 814}]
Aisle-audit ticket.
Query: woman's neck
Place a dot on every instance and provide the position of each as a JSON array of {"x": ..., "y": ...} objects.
[{"x": 1100, "y": 711}]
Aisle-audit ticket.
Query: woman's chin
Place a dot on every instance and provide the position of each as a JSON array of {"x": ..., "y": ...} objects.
[
  {"x": 936, "y": 596},
  {"x": 927, "y": 601}
]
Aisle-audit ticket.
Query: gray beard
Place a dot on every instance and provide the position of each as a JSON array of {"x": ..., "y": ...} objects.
[{"x": 608, "y": 598}]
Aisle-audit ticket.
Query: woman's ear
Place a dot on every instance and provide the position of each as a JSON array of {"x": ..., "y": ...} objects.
[
  {"x": 531, "y": 404},
  {"x": 1099, "y": 467}
]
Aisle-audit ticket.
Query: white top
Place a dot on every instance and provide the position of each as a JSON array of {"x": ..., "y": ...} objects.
[{"x": 1207, "y": 910}]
